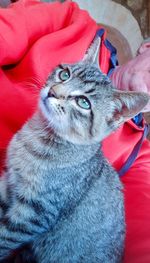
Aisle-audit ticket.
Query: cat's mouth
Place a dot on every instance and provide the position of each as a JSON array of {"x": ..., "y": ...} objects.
[{"x": 51, "y": 106}]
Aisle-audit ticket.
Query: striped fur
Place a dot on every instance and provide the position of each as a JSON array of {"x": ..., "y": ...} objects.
[{"x": 58, "y": 192}]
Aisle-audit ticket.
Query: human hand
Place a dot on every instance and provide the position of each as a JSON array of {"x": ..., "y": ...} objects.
[{"x": 135, "y": 74}]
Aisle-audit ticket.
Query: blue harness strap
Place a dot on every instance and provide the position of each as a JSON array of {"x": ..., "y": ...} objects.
[
  {"x": 134, "y": 152},
  {"x": 113, "y": 52}
]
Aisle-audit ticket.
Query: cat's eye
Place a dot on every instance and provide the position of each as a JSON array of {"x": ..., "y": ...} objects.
[
  {"x": 83, "y": 102},
  {"x": 64, "y": 74}
]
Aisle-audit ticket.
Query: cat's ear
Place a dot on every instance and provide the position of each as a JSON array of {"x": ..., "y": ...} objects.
[
  {"x": 92, "y": 54},
  {"x": 126, "y": 105}
]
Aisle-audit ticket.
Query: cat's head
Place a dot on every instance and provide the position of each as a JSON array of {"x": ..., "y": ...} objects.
[{"x": 80, "y": 104}]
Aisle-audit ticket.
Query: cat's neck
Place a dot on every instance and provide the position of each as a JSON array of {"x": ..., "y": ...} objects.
[{"x": 44, "y": 140}]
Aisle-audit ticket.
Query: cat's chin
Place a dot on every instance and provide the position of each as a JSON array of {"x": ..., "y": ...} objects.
[
  {"x": 47, "y": 113},
  {"x": 50, "y": 119}
]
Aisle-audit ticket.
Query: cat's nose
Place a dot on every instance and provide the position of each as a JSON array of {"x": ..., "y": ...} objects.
[{"x": 52, "y": 93}]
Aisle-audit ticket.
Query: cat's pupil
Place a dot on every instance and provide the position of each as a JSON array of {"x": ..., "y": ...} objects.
[
  {"x": 64, "y": 75},
  {"x": 83, "y": 102}
]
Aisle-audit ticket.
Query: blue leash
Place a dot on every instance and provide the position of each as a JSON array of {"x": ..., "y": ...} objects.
[{"x": 134, "y": 152}]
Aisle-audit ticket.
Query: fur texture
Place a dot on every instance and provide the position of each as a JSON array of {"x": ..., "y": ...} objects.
[{"x": 58, "y": 193}]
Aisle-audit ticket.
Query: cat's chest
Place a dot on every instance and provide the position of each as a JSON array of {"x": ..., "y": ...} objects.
[
  {"x": 68, "y": 185},
  {"x": 65, "y": 189}
]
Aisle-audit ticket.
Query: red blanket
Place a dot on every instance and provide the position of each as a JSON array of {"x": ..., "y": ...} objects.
[{"x": 34, "y": 38}]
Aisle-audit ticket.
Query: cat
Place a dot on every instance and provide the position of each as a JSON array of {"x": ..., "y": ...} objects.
[{"x": 58, "y": 194}]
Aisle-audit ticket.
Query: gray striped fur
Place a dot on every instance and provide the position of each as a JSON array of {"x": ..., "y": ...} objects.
[{"x": 58, "y": 191}]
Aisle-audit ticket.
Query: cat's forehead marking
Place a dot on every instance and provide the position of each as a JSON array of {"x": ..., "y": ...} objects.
[{"x": 89, "y": 73}]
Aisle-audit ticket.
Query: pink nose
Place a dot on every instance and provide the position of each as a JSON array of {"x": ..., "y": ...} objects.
[{"x": 52, "y": 93}]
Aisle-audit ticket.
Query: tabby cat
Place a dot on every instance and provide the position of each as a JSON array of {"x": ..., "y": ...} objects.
[{"x": 59, "y": 194}]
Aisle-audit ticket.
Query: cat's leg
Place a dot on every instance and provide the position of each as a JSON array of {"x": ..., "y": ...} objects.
[
  {"x": 20, "y": 225},
  {"x": 12, "y": 236}
]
